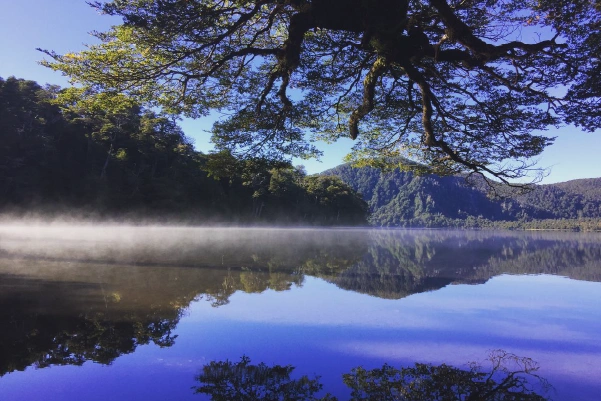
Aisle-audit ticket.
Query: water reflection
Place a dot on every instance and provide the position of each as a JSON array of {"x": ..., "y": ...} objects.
[
  {"x": 506, "y": 377},
  {"x": 242, "y": 381},
  {"x": 398, "y": 264},
  {"x": 68, "y": 320},
  {"x": 72, "y": 295}
]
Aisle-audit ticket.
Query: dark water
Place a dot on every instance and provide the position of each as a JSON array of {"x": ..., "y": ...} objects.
[{"x": 120, "y": 313}]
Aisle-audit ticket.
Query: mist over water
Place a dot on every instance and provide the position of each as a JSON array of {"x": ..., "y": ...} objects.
[
  {"x": 156, "y": 303},
  {"x": 235, "y": 246},
  {"x": 156, "y": 245}
]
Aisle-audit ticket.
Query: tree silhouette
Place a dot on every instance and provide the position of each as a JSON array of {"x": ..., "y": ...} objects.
[
  {"x": 460, "y": 85},
  {"x": 507, "y": 379},
  {"x": 241, "y": 381}
]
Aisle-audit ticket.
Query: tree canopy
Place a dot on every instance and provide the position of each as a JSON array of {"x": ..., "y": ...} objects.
[
  {"x": 84, "y": 152},
  {"x": 461, "y": 85}
]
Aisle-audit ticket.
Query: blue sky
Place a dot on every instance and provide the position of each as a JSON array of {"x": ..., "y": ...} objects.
[{"x": 63, "y": 26}]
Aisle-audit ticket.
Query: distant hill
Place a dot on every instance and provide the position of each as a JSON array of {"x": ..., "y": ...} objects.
[
  {"x": 400, "y": 198},
  {"x": 569, "y": 200}
]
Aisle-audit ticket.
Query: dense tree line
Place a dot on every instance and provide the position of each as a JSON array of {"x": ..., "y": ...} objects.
[
  {"x": 567, "y": 200},
  {"x": 83, "y": 152},
  {"x": 76, "y": 150},
  {"x": 403, "y": 198},
  {"x": 94, "y": 158}
]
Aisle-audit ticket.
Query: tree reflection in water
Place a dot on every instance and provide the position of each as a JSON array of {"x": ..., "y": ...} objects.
[
  {"x": 241, "y": 381},
  {"x": 71, "y": 296},
  {"x": 509, "y": 378}
]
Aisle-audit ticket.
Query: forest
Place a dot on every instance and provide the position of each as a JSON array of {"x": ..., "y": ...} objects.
[
  {"x": 99, "y": 157},
  {"x": 109, "y": 158},
  {"x": 400, "y": 198}
]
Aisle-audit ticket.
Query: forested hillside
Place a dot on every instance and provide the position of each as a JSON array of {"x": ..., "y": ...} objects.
[
  {"x": 64, "y": 151},
  {"x": 399, "y": 198},
  {"x": 89, "y": 154},
  {"x": 570, "y": 200}
]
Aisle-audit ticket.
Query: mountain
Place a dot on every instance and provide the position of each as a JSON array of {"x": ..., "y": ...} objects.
[
  {"x": 400, "y": 198},
  {"x": 569, "y": 200}
]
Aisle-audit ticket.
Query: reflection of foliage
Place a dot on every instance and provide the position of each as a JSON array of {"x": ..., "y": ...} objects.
[
  {"x": 510, "y": 378},
  {"x": 226, "y": 381},
  {"x": 78, "y": 303},
  {"x": 73, "y": 340},
  {"x": 507, "y": 380},
  {"x": 68, "y": 313},
  {"x": 573, "y": 259},
  {"x": 102, "y": 340},
  {"x": 88, "y": 313}
]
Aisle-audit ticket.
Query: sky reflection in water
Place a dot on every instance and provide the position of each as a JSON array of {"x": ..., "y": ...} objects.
[{"x": 323, "y": 301}]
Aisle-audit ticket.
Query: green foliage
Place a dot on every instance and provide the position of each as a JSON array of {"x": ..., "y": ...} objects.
[
  {"x": 457, "y": 86},
  {"x": 96, "y": 151},
  {"x": 286, "y": 183},
  {"x": 102, "y": 152},
  {"x": 29, "y": 124},
  {"x": 283, "y": 193}
]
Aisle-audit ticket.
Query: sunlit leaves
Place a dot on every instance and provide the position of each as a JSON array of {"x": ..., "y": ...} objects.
[{"x": 458, "y": 85}]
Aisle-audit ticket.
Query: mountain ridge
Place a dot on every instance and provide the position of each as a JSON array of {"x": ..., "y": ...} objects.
[{"x": 401, "y": 198}]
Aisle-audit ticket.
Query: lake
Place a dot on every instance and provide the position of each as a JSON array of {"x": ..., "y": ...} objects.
[{"x": 120, "y": 313}]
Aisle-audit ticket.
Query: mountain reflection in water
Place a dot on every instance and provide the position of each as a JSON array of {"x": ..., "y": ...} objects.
[{"x": 74, "y": 294}]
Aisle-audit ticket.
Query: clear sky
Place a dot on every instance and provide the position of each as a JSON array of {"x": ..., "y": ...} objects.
[{"x": 63, "y": 26}]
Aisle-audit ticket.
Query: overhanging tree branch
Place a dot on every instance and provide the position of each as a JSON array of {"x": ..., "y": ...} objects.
[{"x": 301, "y": 66}]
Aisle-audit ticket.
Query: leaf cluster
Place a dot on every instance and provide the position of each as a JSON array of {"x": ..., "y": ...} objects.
[{"x": 456, "y": 85}]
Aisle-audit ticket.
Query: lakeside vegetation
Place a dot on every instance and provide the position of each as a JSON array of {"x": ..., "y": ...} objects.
[
  {"x": 74, "y": 153},
  {"x": 459, "y": 88},
  {"x": 97, "y": 156}
]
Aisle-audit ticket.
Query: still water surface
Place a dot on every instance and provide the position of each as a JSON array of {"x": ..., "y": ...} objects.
[{"x": 123, "y": 313}]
